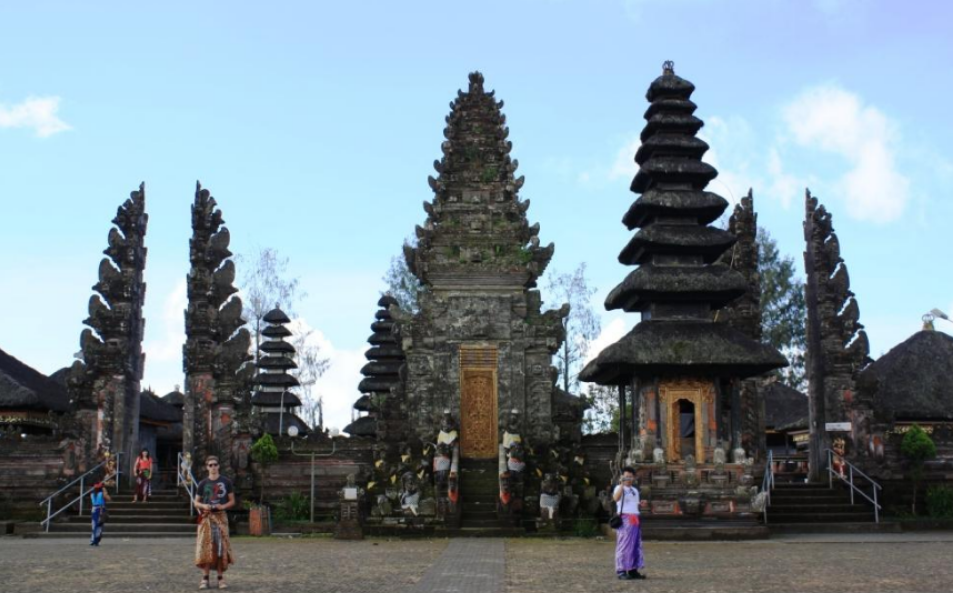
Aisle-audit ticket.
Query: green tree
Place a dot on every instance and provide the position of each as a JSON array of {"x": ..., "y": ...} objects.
[
  {"x": 264, "y": 452},
  {"x": 783, "y": 308},
  {"x": 265, "y": 283},
  {"x": 917, "y": 447},
  {"x": 581, "y": 325},
  {"x": 401, "y": 282}
]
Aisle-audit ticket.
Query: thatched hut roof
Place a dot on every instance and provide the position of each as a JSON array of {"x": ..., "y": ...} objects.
[
  {"x": 914, "y": 380},
  {"x": 785, "y": 408},
  {"x": 23, "y": 387}
]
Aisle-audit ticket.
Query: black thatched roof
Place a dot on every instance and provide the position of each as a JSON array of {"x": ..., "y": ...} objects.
[
  {"x": 271, "y": 423},
  {"x": 274, "y": 398},
  {"x": 785, "y": 408},
  {"x": 365, "y": 426},
  {"x": 567, "y": 406},
  {"x": 705, "y": 348},
  {"x": 914, "y": 380},
  {"x": 175, "y": 398},
  {"x": 276, "y": 331},
  {"x": 276, "y": 315},
  {"x": 152, "y": 407},
  {"x": 276, "y": 380},
  {"x": 23, "y": 387}
]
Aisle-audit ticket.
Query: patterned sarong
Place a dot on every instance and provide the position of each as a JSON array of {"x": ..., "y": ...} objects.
[
  {"x": 628, "y": 545},
  {"x": 212, "y": 546}
]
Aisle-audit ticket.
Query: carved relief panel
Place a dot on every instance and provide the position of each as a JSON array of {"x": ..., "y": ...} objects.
[
  {"x": 478, "y": 402},
  {"x": 701, "y": 394}
]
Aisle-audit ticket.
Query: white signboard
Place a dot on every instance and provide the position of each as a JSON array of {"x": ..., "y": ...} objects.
[
  {"x": 350, "y": 493},
  {"x": 837, "y": 426}
]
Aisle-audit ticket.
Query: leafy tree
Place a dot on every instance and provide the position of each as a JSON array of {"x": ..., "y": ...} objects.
[
  {"x": 581, "y": 325},
  {"x": 603, "y": 413},
  {"x": 311, "y": 366},
  {"x": 264, "y": 452},
  {"x": 917, "y": 447},
  {"x": 264, "y": 284},
  {"x": 783, "y": 308},
  {"x": 401, "y": 282}
]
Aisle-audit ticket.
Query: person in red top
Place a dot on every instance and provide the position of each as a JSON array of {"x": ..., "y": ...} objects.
[{"x": 143, "y": 473}]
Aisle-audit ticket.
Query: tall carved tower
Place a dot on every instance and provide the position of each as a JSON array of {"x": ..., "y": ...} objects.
[
  {"x": 105, "y": 385},
  {"x": 837, "y": 345},
  {"x": 681, "y": 367},
  {"x": 216, "y": 346},
  {"x": 744, "y": 314},
  {"x": 479, "y": 346}
]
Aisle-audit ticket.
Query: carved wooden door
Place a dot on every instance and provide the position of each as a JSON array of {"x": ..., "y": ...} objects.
[{"x": 478, "y": 408}]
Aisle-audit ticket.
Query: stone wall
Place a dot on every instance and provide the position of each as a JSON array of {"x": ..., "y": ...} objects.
[{"x": 30, "y": 471}]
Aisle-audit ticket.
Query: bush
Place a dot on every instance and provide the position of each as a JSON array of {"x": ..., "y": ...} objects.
[
  {"x": 940, "y": 502},
  {"x": 294, "y": 507},
  {"x": 917, "y": 447},
  {"x": 585, "y": 527}
]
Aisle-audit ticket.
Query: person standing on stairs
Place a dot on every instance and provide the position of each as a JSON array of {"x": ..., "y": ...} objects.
[
  {"x": 143, "y": 473},
  {"x": 98, "y": 499},
  {"x": 214, "y": 496}
]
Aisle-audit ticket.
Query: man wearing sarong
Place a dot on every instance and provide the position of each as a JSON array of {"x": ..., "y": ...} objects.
[
  {"x": 628, "y": 545},
  {"x": 214, "y": 496},
  {"x": 98, "y": 499}
]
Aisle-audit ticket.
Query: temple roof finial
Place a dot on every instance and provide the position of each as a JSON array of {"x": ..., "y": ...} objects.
[{"x": 668, "y": 68}]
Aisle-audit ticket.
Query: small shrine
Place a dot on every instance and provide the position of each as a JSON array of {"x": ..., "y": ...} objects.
[{"x": 679, "y": 371}]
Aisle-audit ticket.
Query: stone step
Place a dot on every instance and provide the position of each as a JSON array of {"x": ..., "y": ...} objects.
[
  {"x": 147, "y": 507},
  {"x": 818, "y": 517},
  {"x": 797, "y": 507},
  {"x": 107, "y": 536},
  {"x": 124, "y": 528},
  {"x": 859, "y": 527},
  {"x": 137, "y": 519}
]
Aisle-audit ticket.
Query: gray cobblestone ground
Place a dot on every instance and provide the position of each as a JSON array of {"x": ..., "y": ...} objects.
[
  {"x": 822, "y": 563},
  {"x": 841, "y": 564},
  {"x": 466, "y": 566}
]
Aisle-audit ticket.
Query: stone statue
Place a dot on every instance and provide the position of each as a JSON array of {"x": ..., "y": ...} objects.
[
  {"x": 658, "y": 456},
  {"x": 690, "y": 476},
  {"x": 446, "y": 464},
  {"x": 738, "y": 455},
  {"x": 549, "y": 499},
  {"x": 410, "y": 493},
  {"x": 718, "y": 456}
]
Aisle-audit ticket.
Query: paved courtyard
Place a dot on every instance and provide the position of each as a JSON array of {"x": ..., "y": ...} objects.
[{"x": 867, "y": 563}]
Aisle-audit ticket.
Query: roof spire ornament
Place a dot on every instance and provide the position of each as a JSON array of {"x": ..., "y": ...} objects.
[{"x": 668, "y": 68}]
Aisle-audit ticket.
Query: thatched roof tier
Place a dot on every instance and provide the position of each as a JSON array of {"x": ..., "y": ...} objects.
[
  {"x": 272, "y": 423},
  {"x": 717, "y": 285},
  {"x": 277, "y": 316},
  {"x": 276, "y": 380},
  {"x": 363, "y": 404},
  {"x": 785, "y": 408},
  {"x": 704, "y": 206},
  {"x": 384, "y": 352},
  {"x": 23, "y": 387},
  {"x": 676, "y": 239},
  {"x": 276, "y": 362},
  {"x": 275, "y": 398},
  {"x": 157, "y": 409},
  {"x": 697, "y": 347},
  {"x": 276, "y": 346},
  {"x": 365, "y": 426},
  {"x": 276, "y": 331},
  {"x": 914, "y": 380},
  {"x": 175, "y": 398}
]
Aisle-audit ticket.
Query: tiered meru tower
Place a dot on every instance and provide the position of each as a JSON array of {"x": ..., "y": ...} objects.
[
  {"x": 104, "y": 386},
  {"x": 479, "y": 346},
  {"x": 680, "y": 365},
  {"x": 214, "y": 418}
]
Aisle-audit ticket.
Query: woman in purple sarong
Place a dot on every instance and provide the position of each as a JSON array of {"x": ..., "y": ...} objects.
[{"x": 628, "y": 545}]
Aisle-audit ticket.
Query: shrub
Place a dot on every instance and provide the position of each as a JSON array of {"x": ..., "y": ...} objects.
[
  {"x": 917, "y": 447},
  {"x": 264, "y": 452},
  {"x": 940, "y": 502},
  {"x": 294, "y": 507},
  {"x": 585, "y": 527}
]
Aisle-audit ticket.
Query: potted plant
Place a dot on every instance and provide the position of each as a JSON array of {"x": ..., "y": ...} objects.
[{"x": 263, "y": 452}]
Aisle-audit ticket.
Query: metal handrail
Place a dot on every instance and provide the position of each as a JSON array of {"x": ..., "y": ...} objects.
[
  {"x": 849, "y": 480},
  {"x": 767, "y": 484},
  {"x": 188, "y": 481},
  {"x": 48, "y": 501}
]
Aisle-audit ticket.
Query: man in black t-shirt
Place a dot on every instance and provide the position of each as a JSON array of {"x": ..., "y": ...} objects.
[{"x": 215, "y": 495}]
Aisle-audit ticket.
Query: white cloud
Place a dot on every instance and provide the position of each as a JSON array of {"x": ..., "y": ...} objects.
[
  {"x": 339, "y": 383},
  {"x": 833, "y": 120},
  {"x": 168, "y": 347},
  {"x": 36, "y": 113},
  {"x": 624, "y": 164},
  {"x": 609, "y": 335}
]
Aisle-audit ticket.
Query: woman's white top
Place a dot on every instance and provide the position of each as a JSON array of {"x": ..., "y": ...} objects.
[{"x": 630, "y": 504}]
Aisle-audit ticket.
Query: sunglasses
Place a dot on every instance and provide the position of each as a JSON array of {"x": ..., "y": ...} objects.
[{"x": 212, "y": 465}]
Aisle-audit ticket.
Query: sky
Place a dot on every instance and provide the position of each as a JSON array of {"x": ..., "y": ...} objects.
[{"x": 315, "y": 126}]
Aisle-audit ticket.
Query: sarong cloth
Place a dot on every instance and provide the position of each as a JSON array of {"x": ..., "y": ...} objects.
[
  {"x": 97, "y": 524},
  {"x": 628, "y": 545},
  {"x": 212, "y": 546}
]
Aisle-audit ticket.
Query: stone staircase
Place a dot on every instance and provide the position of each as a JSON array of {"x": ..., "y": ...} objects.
[
  {"x": 165, "y": 515},
  {"x": 479, "y": 491},
  {"x": 817, "y": 508}
]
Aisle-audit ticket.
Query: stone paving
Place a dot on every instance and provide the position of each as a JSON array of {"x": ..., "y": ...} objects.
[{"x": 823, "y": 563}]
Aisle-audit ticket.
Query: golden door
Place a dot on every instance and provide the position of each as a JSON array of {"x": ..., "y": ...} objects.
[{"x": 478, "y": 409}]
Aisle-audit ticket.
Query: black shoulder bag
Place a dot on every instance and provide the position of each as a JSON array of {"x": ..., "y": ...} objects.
[{"x": 615, "y": 521}]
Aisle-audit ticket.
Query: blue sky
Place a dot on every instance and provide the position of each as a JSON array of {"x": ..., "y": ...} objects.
[{"x": 315, "y": 125}]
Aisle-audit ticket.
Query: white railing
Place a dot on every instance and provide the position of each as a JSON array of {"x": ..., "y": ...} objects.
[
  {"x": 767, "y": 484},
  {"x": 849, "y": 480},
  {"x": 83, "y": 491},
  {"x": 184, "y": 478}
]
